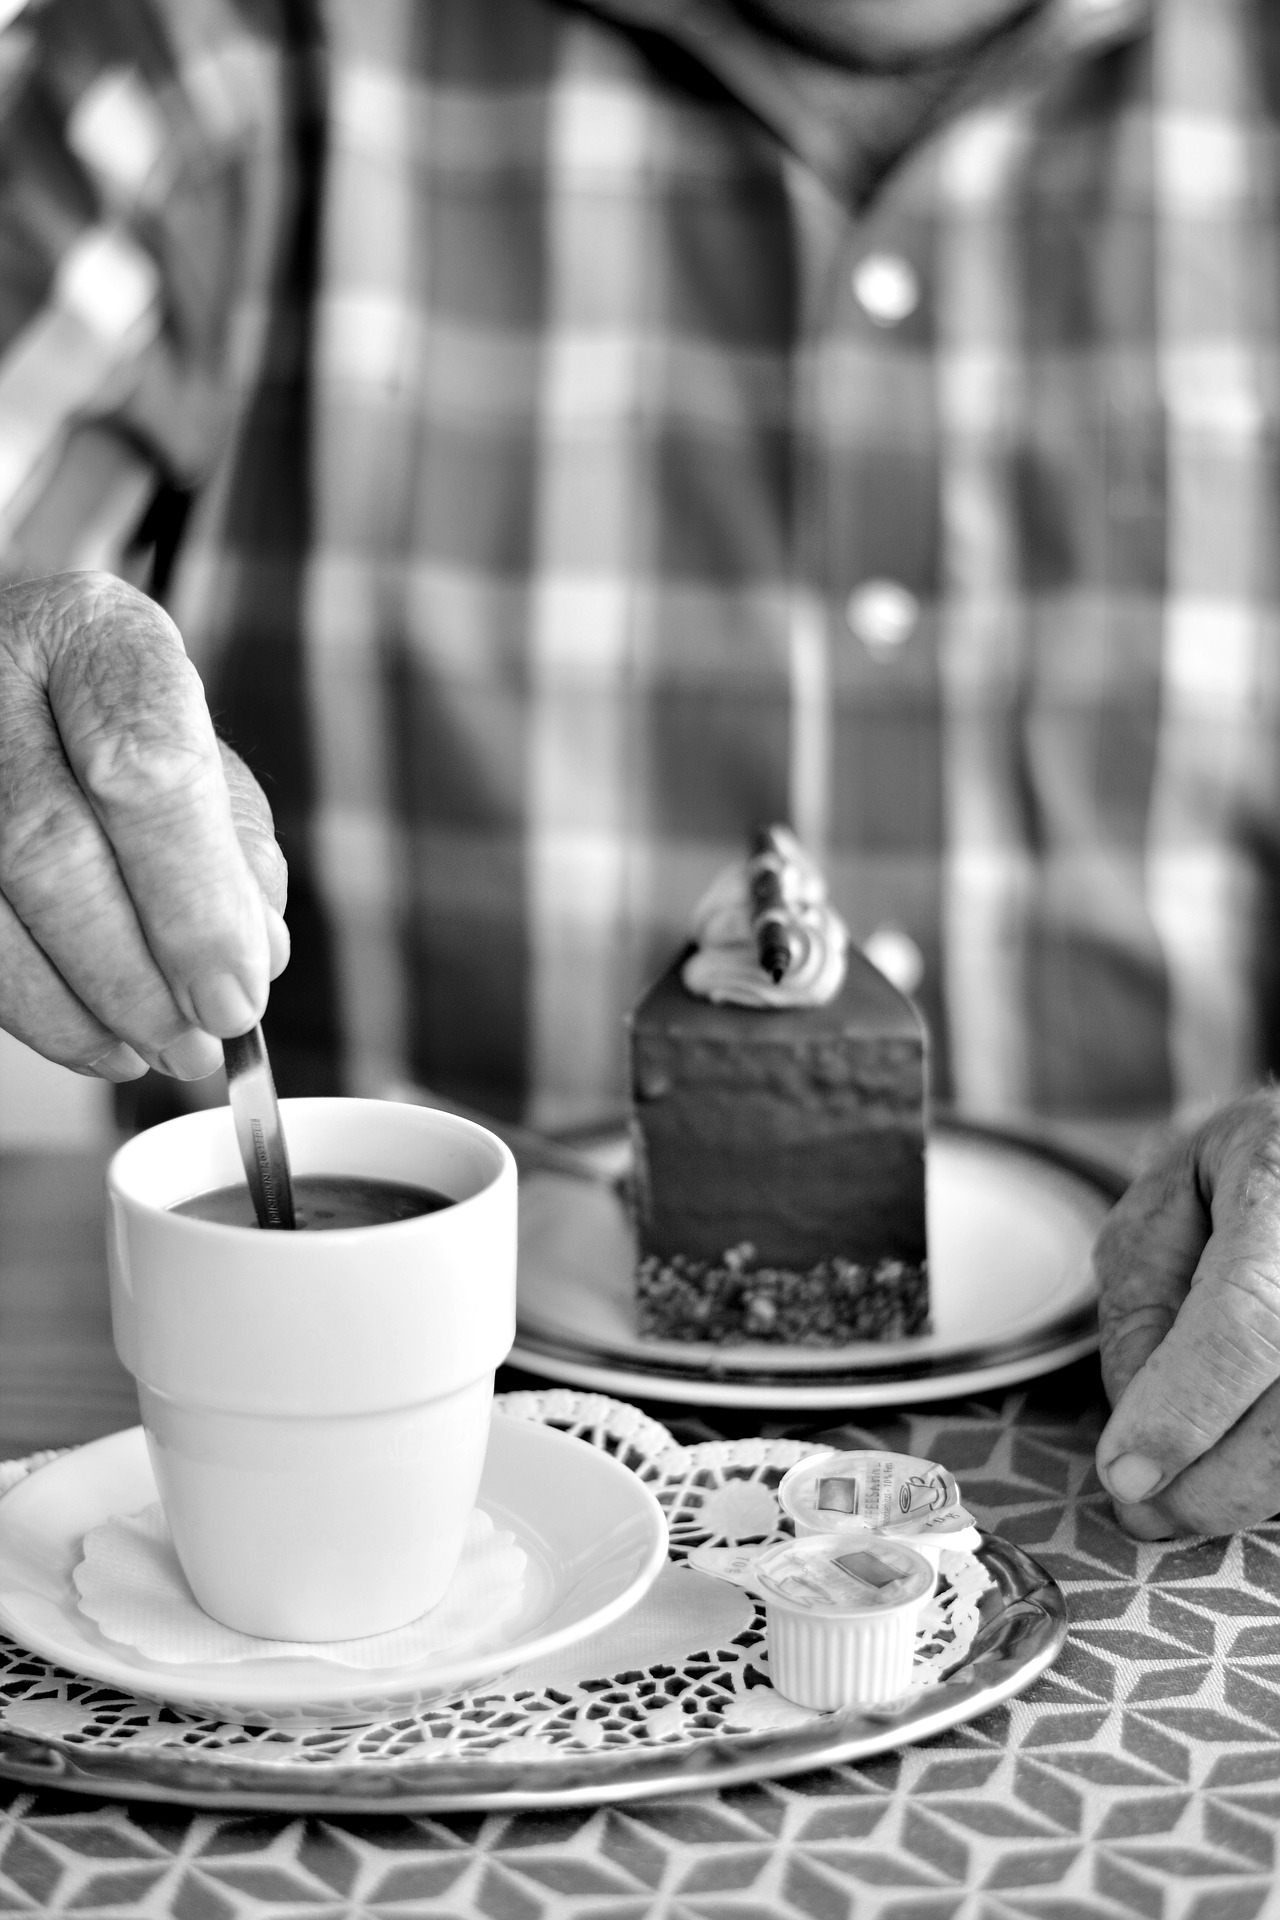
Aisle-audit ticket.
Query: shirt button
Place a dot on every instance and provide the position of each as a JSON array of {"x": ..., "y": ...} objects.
[
  {"x": 897, "y": 956},
  {"x": 883, "y": 614},
  {"x": 886, "y": 287}
]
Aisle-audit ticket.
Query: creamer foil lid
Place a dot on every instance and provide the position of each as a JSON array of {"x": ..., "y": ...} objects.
[
  {"x": 891, "y": 1493},
  {"x": 845, "y": 1574},
  {"x": 865, "y": 1500},
  {"x": 856, "y": 1572}
]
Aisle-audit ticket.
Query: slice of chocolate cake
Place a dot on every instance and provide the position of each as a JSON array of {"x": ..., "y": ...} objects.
[{"x": 779, "y": 1164}]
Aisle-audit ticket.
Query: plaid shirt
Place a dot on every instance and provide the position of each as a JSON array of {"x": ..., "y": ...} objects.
[{"x": 575, "y": 480}]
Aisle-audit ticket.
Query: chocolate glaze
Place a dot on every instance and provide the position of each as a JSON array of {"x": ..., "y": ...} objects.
[{"x": 799, "y": 1130}]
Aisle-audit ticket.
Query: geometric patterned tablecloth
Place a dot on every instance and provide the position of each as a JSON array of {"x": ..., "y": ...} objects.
[{"x": 1140, "y": 1777}]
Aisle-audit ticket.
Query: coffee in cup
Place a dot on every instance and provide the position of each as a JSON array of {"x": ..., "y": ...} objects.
[{"x": 322, "y": 1202}]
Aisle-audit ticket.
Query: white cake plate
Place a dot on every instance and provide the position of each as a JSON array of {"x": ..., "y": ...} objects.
[{"x": 1011, "y": 1225}]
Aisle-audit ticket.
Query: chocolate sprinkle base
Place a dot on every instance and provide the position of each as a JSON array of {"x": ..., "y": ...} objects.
[{"x": 734, "y": 1301}]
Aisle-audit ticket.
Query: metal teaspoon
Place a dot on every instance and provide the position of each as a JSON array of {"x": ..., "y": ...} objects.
[{"x": 258, "y": 1129}]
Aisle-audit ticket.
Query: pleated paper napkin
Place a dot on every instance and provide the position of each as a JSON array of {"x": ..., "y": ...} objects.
[{"x": 131, "y": 1585}]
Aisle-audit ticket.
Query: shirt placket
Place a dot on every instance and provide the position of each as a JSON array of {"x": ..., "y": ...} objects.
[{"x": 866, "y": 767}]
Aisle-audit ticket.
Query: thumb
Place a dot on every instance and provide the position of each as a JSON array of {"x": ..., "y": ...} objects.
[{"x": 1189, "y": 1278}]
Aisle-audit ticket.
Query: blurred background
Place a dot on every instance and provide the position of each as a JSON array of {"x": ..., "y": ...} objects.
[{"x": 42, "y": 1105}]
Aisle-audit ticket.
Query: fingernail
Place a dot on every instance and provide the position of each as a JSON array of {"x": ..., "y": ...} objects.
[
  {"x": 119, "y": 1063},
  {"x": 222, "y": 1006},
  {"x": 193, "y": 1057},
  {"x": 278, "y": 943},
  {"x": 1132, "y": 1477}
]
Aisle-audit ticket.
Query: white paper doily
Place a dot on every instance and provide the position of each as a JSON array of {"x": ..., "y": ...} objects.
[
  {"x": 131, "y": 1585},
  {"x": 653, "y": 1693}
]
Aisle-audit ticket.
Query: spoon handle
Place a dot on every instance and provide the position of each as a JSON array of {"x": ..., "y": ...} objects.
[{"x": 258, "y": 1129}]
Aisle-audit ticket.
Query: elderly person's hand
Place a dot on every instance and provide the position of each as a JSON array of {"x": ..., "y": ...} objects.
[
  {"x": 1189, "y": 1270},
  {"x": 140, "y": 881}
]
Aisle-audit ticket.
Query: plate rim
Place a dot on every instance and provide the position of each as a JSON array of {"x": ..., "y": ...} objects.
[
  {"x": 1059, "y": 1342},
  {"x": 348, "y": 1683}
]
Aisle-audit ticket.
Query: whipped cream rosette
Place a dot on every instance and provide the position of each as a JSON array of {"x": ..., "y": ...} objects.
[{"x": 776, "y": 895}]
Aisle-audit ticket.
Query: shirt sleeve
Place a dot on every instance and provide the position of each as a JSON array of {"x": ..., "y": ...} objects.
[{"x": 120, "y": 186}]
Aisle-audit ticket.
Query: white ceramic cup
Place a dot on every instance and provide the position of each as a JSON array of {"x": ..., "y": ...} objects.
[{"x": 316, "y": 1405}]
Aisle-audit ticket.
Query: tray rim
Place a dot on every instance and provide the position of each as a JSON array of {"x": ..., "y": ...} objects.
[
  {"x": 1022, "y": 1638},
  {"x": 1037, "y": 1610}
]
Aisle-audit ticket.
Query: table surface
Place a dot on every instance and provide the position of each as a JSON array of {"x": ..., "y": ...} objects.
[{"x": 1140, "y": 1777}]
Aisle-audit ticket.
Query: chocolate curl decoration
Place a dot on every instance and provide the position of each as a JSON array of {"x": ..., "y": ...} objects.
[{"x": 770, "y": 916}]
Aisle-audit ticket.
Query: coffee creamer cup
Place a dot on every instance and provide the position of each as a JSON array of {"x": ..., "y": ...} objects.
[
  {"x": 896, "y": 1494},
  {"x": 841, "y": 1612}
]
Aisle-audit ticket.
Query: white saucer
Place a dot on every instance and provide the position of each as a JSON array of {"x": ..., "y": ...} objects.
[
  {"x": 594, "y": 1535},
  {"x": 1011, "y": 1224}
]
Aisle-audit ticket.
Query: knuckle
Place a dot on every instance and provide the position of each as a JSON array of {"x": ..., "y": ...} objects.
[
  {"x": 101, "y": 600},
  {"x": 28, "y": 614},
  {"x": 80, "y": 1054},
  {"x": 1248, "y": 1322},
  {"x": 272, "y": 874},
  {"x": 1239, "y": 1146},
  {"x": 1125, "y": 1346},
  {"x": 269, "y": 865},
  {"x": 42, "y": 837},
  {"x": 250, "y": 807},
  {"x": 1180, "y": 1426},
  {"x": 1117, "y": 1235},
  {"x": 128, "y": 703},
  {"x": 1125, "y": 1283},
  {"x": 1118, "y": 1322},
  {"x": 125, "y": 766},
  {"x": 255, "y": 828},
  {"x": 138, "y": 1007},
  {"x": 1155, "y": 1230},
  {"x": 1262, "y": 1174},
  {"x": 61, "y": 618}
]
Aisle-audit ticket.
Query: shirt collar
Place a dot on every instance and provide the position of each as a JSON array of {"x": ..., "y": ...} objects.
[{"x": 851, "y": 128}]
